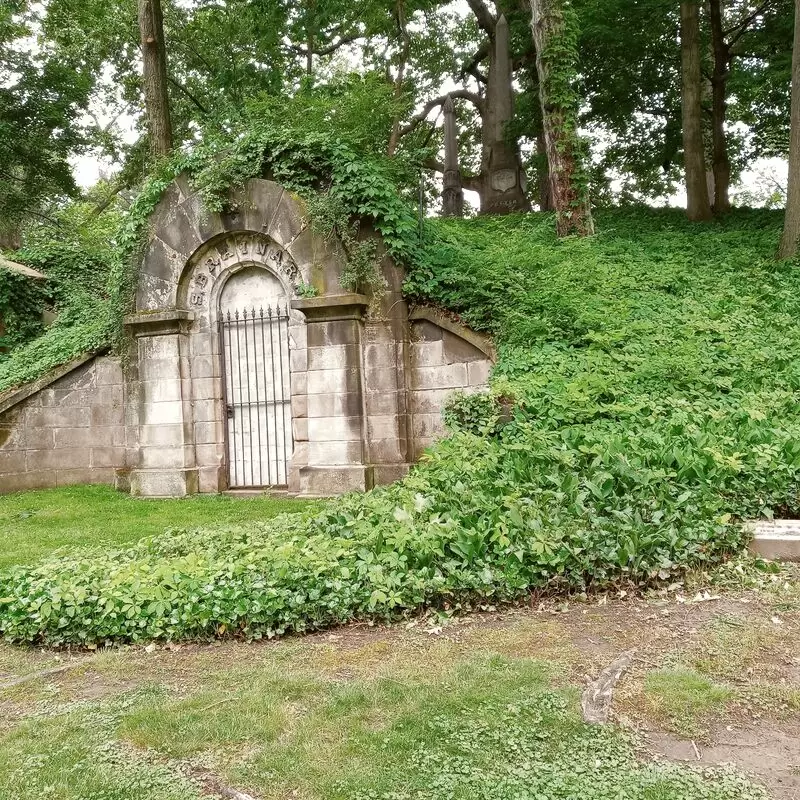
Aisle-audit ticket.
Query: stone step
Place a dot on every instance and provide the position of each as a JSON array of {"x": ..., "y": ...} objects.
[
  {"x": 249, "y": 493},
  {"x": 776, "y": 540}
]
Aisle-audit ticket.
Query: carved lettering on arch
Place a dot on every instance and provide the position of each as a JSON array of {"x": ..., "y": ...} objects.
[{"x": 241, "y": 248}]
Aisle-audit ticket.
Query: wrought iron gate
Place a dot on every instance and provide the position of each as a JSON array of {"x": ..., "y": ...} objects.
[{"x": 255, "y": 357}]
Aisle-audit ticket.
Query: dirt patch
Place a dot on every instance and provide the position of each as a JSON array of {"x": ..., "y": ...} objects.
[{"x": 770, "y": 754}]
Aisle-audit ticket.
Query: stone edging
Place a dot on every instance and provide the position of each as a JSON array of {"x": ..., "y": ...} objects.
[
  {"x": 777, "y": 540},
  {"x": 14, "y": 396},
  {"x": 478, "y": 340}
]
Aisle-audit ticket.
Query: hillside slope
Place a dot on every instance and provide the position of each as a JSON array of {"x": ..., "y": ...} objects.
[{"x": 643, "y": 403}]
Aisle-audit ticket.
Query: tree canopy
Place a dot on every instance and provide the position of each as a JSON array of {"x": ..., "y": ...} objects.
[{"x": 378, "y": 72}]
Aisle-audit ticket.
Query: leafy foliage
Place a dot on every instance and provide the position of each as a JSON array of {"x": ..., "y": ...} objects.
[
  {"x": 42, "y": 96},
  {"x": 76, "y": 290},
  {"x": 22, "y": 301},
  {"x": 646, "y": 388}
]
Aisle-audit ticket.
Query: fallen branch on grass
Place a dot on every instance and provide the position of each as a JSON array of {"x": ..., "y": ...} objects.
[{"x": 597, "y": 696}]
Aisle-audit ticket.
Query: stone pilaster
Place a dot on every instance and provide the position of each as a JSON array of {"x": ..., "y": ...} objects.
[
  {"x": 163, "y": 462},
  {"x": 332, "y": 383}
]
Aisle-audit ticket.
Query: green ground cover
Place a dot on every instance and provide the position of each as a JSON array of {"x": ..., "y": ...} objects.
[
  {"x": 372, "y": 715},
  {"x": 34, "y": 524},
  {"x": 644, "y": 402}
]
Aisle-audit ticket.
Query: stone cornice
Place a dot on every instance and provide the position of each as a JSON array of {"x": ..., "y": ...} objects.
[
  {"x": 13, "y": 397},
  {"x": 332, "y": 307},
  {"x": 161, "y": 322}
]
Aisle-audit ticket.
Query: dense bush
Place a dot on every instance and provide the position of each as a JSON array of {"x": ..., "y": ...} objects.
[
  {"x": 644, "y": 402},
  {"x": 75, "y": 290}
]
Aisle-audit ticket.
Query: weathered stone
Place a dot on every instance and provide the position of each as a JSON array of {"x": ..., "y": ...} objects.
[
  {"x": 164, "y": 483},
  {"x": 70, "y": 477},
  {"x": 166, "y": 413},
  {"x": 452, "y": 192},
  {"x": 388, "y": 451},
  {"x": 383, "y": 474},
  {"x": 326, "y": 482},
  {"x": 382, "y": 379},
  {"x": 334, "y": 453},
  {"x": 335, "y": 356},
  {"x": 776, "y": 540},
  {"x": 107, "y": 456},
  {"x": 379, "y": 403},
  {"x": 450, "y": 375},
  {"x": 87, "y": 437},
  {"x": 478, "y": 373},
  {"x": 325, "y": 334},
  {"x": 66, "y": 458},
  {"x": 12, "y": 461},
  {"x": 315, "y": 396},
  {"x": 333, "y": 381},
  {"x": 336, "y": 429},
  {"x": 427, "y": 354},
  {"x": 348, "y": 404}
]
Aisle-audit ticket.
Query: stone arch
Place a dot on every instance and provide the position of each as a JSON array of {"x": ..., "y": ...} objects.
[
  {"x": 208, "y": 269},
  {"x": 182, "y": 231},
  {"x": 365, "y": 393}
]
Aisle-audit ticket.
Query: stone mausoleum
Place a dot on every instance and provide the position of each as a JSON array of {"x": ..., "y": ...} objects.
[{"x": 250, "y": 367}]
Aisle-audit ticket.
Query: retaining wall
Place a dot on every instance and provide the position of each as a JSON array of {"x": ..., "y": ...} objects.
[{"x": 66, "y": 428}]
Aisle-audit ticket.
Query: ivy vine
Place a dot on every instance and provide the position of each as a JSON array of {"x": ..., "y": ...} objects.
[{"x": 339, "y": 185}]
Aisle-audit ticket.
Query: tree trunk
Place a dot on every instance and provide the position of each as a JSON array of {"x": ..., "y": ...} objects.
[
  {"x": 154, "y": 59},
  {"x": 556, "y": 65},
  {"x": 698, "y": 206},
  {"x": 504, "y": 182},
  {"x": 405, "y": 50},
  {"x": 721, "y": 163},
  {"x": 543, "y": 175},
  {"x": 791, "y": 225}
]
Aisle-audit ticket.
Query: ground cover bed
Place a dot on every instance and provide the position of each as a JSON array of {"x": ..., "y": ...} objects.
[
  {"x": 482, "y": 706},
  {"x": 643, "y": 404}
]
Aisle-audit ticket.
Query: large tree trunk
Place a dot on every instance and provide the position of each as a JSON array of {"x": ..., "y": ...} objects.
[
  {"x": 698, "y": 206},
  {"x": 154, "y": 59},
  {"x": 721, "y": 163},
  {"x": 569, "y": 193},
  {"x": 791, "y": 225},
  {"x": 504, "y": 181},
  {"x": 543, "y": 175}
]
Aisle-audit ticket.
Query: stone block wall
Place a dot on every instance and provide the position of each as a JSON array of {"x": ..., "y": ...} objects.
[
  {"x": 65, "y": 429},
  {"x": 444, "y": 357}
]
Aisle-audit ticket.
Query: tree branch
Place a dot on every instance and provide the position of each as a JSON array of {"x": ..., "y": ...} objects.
[
  {"x": 331, "y": 48},
  {"x": 178, "y": 85},
  {"x": 471, "y": 67},
  {"x": 485, "y": 18},
  {"x": 741, "y": 27},
  {"x": 457, "y": 94}
]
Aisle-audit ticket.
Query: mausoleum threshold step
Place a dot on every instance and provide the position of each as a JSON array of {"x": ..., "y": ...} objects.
[
  {"x": 258, "y": 492},
  {"x": 776, "y": 540}
]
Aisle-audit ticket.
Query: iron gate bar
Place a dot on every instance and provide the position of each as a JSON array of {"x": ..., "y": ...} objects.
[
  {"x": 266, "y": 399},
  {"x": 274, "y": 387},
  {"x": 258, "y": 405},
  {"x": 236, "y": 400},
  {"x": 227, "y": 392},
  {"x": 239, "y": 365},
  {"x": 249, "y": 398}
]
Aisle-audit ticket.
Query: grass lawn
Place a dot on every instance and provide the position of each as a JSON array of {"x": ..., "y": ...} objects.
[
  {"x": 483, "y": 708},
  {"x": 34, "y": 524}
]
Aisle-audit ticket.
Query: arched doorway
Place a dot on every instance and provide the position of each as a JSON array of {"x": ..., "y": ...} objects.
[{"x": 254, "y": 344}]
